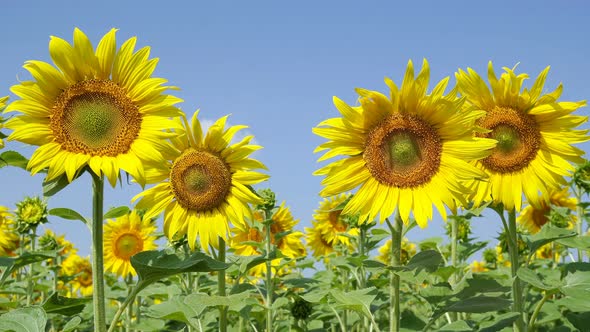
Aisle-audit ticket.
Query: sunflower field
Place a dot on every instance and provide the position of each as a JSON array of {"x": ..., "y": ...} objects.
[{"x": 207, "y": 246}]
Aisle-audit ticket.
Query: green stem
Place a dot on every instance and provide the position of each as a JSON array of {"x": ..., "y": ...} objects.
[
  {"x": 129, "y": 317},
  {"x": 97, "y": 254},
  {"x": 221, "y": 287},
  {"x": 454, "y": 261},
  {"x": 134, "y": 291},
  {"x": 394, "y": 280},
  {"x": 362, "y": 279},
  {"x": 517, "y": 306},
  {"x": 345, "y": 289},
  {"x": 531, "y": 326},
  {"x": 580, "y": 212},
  {"x": 269, "y": 288},
  {"x": 30, "y": 285}
]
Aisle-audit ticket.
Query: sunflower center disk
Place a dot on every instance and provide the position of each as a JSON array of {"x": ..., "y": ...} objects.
[
  {"x": 95, "y": 117},
  {"x": 334, "y": 217},
  {"x": 128, "y": 245},
  {"x": 518, "y": 139},
  {"x": 200, "y": 180},
  {"x": 403, "y": 151}
]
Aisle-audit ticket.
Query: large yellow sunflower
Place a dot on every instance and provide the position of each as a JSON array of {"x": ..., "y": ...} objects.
[
  {"x": 125, "y": 237},
  {"x": 204, "y": 183},
  {"x": 98, "y": 108},
  {"x": 81, "y": 272},
  {"x": 290, "y": 245},
  {"x": 8, "y": 233},
  {"x": 3, "y": 101},
  {"x": 534, "y": 217},
  {"x": 534, "y": 133},
  {"x": 406, "y": 151}
]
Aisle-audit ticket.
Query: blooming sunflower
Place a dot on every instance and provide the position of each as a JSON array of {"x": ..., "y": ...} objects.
[
  {"x": 203, "y": 183},
  {"x": 478, "y": 267},
  {"x": 549, "y": 251},
  {"x": 3, "y": 101},
  {"x": 534, "y": 217},
  {"x": 81, "y": 272},
  {"x": 336, "y": 231},
  {"x": 408, "y": 250},
  {"x": 290, "y": 245},
  {"x": 8, "y": 234},
  {"x": 98, "y": 108},
  {"x": 407, "y": 151},
  {"x": 534, "y": 131},
  {"x": 125, "y": 237}
]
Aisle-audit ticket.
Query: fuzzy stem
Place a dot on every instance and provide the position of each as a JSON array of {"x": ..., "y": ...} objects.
[
  {"x": 538, "y": 307},
  {"x": 394, "y": 280},
  {"x": 362, "y": 279},
  {"x": 123, "y": 306},
  {"x": 269, "y": 288},
  {"x": 221, "y": 287},
  {"x": 454, "y": 261},
  {"x": 517, "y": 306},
  {"x": 30, "y": 286},
  {"x": 580, "y": 213},
  {"x": 97, "y": 254}
]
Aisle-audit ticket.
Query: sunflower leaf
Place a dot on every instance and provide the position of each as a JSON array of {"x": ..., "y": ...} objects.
[
  {"x": 548, "y": 234},
  {"x": 68, "y": 214},
  {"x": 116, "y": 212},
  {"x": 13, "y": 158},
  {"x": 31, "y": 319},
  {"x": 11, "y": 264},
  {"x": 56, "y": 304}
]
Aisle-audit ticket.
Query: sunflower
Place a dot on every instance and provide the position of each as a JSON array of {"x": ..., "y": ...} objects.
[
  {"x": 51, "y": 241},
  {"x": 534, "y": 217},
  {"x": 204, "y": 183},
  {"x": 98, "y": 108},
  {"x": 125, "y": 237},
  {"x": 549, "y": 251},
  {"x": 407, "y": 151},
  {"x": 478, "y": 267},
  {"x": 290, "y": 245},
  {"x": 408, "y": 250},
  {"x": 80, "y": 270},
  {"x": 8, "y": 234},
  {"x": 534, "y": 131},
  {"x": 336, "y": 230},
  {"x": 3, "y": 101}
]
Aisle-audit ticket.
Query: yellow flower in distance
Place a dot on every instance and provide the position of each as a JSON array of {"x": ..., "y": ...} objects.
[
  {"x": 98, "y": 108},
  {"x": 478, "y": 267},
  {"x": 549, "y": 251},
  {"x": 534, "y": 217},
  {"x": 3, "y": 101},
  {"x": 80, "y": 269},
  {"x": 406, "y": 151},
  {"x": 407, "y": 252},
  {"x": 534, "y": 131},
  {"x": 8, "y": 232},
  {"x": 204, "y": 183},
  {"x": 125, "y": 237}
]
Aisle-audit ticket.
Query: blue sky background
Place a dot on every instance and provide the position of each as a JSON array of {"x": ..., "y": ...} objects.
[{"x": 275, "y": 65}]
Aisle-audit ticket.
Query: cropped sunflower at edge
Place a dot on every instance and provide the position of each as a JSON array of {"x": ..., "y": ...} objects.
[
  {"x": 406, "y": 151},
  {"x": 203, "y": 184},
  {"x": 98, "y": 108},
  {"x": 3, "y": 101},
  {"x": 535, "y": 134}
]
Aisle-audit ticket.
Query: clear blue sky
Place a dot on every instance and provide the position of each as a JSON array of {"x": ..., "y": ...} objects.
[{"x": 275, "y": 65}]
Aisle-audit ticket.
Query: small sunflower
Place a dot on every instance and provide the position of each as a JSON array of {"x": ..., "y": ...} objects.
[
  {"x": 408, "y": 250},
  {"x": 30, "y": 213},
  {"x": 125, "y": 237},
  {"x": 549, "y": 251},
  {"x": 407, "y": 151},
  {"x": 80, "y": 270},
  {"x": 8, "y": 234},
  {"x": 204, "y": 183},
  {"x": 336, "y": 230},
  {"x": 98, "y": 108},
  {"x": 534, "y": 131},
  {"x": 478, "y": 267},
  {"x": 534, "y": 217},
  {"x": 3, "y": 101}
]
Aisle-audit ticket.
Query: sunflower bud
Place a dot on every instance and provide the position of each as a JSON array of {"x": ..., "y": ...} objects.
[
  {"x": 301, "y": 309},
  {"x": 582, "y": 177},
  {"x": 268, "y": 198},
  {"x": 48, "y": 241},
  {"x": 490, "y": 256},
  {"x": 30, "y": 212},
  {"x": 463, "y": 228}
]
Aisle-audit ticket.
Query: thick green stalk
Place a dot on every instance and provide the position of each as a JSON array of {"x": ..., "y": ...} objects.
[
  {"x": 97, "y": 255},
  {"x": 454, "y": 260},
  {"x": 362, "y": 278},
  {"x": 269, "y": 288},
  {"x": 580, "y": 214},
  {"x": 517, "y": 305},
  {"x": 221, "y": 287},
  {"x": 394, "y": 280},
  {"x": 30, "y": 286}
]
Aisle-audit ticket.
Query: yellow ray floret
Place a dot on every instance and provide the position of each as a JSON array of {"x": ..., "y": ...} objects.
[
  {"x": 99, "y": 108},
  {"x": 8, "y": 233},
  {"x": 3, "y": 101},
  {"x": 405, "y": 152},
  {"x": 80, "y": 269},
  {"x": 204, "y": 183},
  {"x": 534, "y": 217},
  {"x": 535, "y": 133}
]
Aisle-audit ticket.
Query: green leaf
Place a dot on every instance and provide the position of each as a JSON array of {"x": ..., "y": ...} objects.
[
  {"x": 577, "y": 285},
  {"x": 574, "y": 304},
  {"x": 11, "y": 264},
  {"x": 428, "y": 260},
  {"x": 56, "y": 304},
  {"x": 531, "y": 277},
  {"x": 576, "y": 242},
  {"x": 68, "y": 214},
  {"x": 72, "y": 324},
  {"x": 479, "y": 304},
  {"x": 458, "y": 326},
  {"x": 358, "y": 300},
  {"x": 148, "y": 325},
  {"x": 54, "y": 186},
  {"x": 13, "y": 158},
  {"x": 499, "y": 322},
  {"x": 548, "y": 234},
  {"x": 154, "y": 265},
  {"x": 176, "y": 309},
  {"x": 31, "y": 319},
  {"x": 252, "y": 261},
  {"x": 116, "y": 212},
  {"x": 234, "y": 302},
  {"x": 580, "y": 321}
]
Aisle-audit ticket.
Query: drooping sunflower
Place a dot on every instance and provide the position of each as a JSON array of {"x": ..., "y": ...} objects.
[
  {"x": 407, "y": 151},
  {"x": 290, "y": 245},
  {"x": 204, "y": 183},
  {"x": 534, "y": 131},
  {"x": 3, "y": 101},
  {"x": 534, "y": 217},
  {"x": 98, "y": 108},
  {"x": 408, "y": 250},
  {"x": 8, "y": 233},
  {"x": 125, "y": 237},
  {"x": 80, "y": 270}
]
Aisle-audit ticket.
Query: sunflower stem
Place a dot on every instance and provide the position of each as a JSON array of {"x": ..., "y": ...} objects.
[
  {"x": 134, "y": 291},
  {"x": 580, "y": 212},
  {"x": 538, "y": 307},
  {"x": 97, "y": 254},
  {"x": 394, "y": 280},
  {"x": 362, "y": 281},
  {"x": 517, "y": 306},
  {"x": 269, "y": 288},
  {"x": 454, "y": 261},
  {"x": 221, "y": 286},
  {"x": 31, "y": 270}
]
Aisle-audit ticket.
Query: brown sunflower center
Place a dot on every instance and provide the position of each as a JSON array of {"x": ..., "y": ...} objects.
[
  {"x": 200, "y": 180},
  {"x": 334, "y": 217},
  {"x": 403, "y": 151},
  {"x": 518, "y": 139},
  {"x": 85, "y": 277},
  {"x": 95, "y": 117},
  {"x": 128, "y": 245}
]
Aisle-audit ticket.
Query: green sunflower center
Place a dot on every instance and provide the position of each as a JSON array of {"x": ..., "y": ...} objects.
[
  {"x": 95, "y": 117},
  {"x": 403, "y": 151},
  {"x": 507, "y": 137},
  {"x": 128, "y": 245},
  {"x": 200, "y": 180}
]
